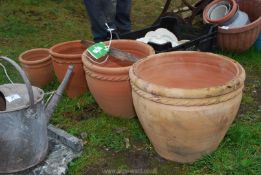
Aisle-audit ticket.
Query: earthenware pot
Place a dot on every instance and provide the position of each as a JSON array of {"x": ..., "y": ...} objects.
[
  {"x": 109, "y": 82},
  {"x": 219, "y": 11},
  {"x": 240, "y": 39},
  {"x": 64, "y": 54},
  {"x": 37, "y": 65},
  {"x": 186, "y": 101}
]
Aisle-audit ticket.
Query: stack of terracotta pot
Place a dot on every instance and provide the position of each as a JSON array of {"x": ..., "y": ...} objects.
[{"x": 237, "y": 32}]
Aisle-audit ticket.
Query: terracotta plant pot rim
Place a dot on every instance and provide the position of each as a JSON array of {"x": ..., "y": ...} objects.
[
  {"x": 104, "y": 70},
  {"x": 45, "y": 59},
  {"x": 242, "y": 29},
  {"x": 111, "y": 70},
  {"x": 232, "y": 85},
  {"x": 67, "y": 56},
  {"x": 232, "y": 12}
]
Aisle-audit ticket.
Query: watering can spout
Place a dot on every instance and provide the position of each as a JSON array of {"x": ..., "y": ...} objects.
[{"x": 58, "y": 93}]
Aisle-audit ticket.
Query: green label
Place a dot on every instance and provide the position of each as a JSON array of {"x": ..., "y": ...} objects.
[{"x": 98, "y": 50}]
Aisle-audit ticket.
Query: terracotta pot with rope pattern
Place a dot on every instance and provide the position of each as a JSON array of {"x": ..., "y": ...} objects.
[
  {"x": 109, "y": 82},
  {"x": 186, "y": 101}
]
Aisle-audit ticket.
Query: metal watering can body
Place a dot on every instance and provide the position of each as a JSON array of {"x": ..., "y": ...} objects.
[{"x": 23, "y": 122}]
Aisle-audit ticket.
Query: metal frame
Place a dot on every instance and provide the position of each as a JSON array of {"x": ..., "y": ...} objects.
[{"x": 196, "y": 9}]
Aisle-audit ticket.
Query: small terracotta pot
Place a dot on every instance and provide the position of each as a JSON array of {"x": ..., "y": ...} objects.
[
  {"x": 242, "y": 38},
  {"x": 186, "y": 101},
  {"x": 37, "y": 65},
  {"x": 227, "y": 17},
  {"x": 109, "y": 82},
  {"x": 64, "y": 54}
]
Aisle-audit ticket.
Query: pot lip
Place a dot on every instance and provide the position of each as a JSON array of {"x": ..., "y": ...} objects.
[
  {"x": 112, "y": 70},
  {"x": 247, "y": 27},
  {"x": 45, "y": 59},
  {"x": 227, "y": 17},
  {"x": 59, "y": 55},
  {"x": 207, "y": 92}
]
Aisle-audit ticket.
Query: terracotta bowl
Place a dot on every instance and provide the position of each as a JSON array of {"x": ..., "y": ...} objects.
[
  {"x": 242, "y": 38},
  {"x": 186, "y": 101},
  {"x": 37, "y": 65}
]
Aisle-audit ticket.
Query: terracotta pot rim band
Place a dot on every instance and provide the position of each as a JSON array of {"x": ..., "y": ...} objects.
[
  {"x": 104, "y": 70},
  {"x": 71, "y": 56},
  {"x": 104, "y": 77},
  {"x": 44, "y": 59},
  {"x": 114, "y": 70},
  {"x": 228, "y": 87},
  {"x": 186, "y": 101},
  {"x": 60, "y": 61},
  {"x": 36, "y": 66}
]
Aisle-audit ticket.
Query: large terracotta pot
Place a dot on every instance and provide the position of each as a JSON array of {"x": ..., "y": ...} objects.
[
  {"x": 109, "y": 82},
  {"x": 37, "y": 65},
  {"x": 242, "y": 38},
  {"x": 186, "y": 101},
  {"x": 64, "y": 54}
]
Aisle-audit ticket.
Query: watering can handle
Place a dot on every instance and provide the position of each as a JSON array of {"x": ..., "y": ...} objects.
[{"x": 23, "y": 75}]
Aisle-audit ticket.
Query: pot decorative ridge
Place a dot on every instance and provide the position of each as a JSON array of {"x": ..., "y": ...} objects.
[
  {"x": 37, "y": 63},
  {"x": 64, "y": 54},
  {"x": 109, "y": 82},
  {"x": 233, "y": 84},
  {"x": 25, "y": 61},
  {"x": 60, "y": 47},
  {"x": 183, "y": 128}
]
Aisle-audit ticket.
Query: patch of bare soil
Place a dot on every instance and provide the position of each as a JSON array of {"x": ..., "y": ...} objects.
[
  {"x": 133, "y": 162},
  {"x": 89, "y": 112}
]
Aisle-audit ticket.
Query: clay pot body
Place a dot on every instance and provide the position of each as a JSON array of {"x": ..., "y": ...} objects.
[
  {"x": 242, "y": 38},
  {"x": 37, "y": 65},
  {"x": 222, "y": 18},
  {"x": 109, "y": 82},
  {"x": 186, "y": 101},
  {"x": 64, "y": 54}
]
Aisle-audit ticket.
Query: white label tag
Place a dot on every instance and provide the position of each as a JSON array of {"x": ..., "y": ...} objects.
[
  {"x": 225, "y": 27},
  {"x": 12, "y": 97}
]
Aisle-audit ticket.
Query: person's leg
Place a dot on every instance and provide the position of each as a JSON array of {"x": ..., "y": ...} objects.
[
  {"x": 122, "y": 19},
  {"x": 100, "y": 12}
]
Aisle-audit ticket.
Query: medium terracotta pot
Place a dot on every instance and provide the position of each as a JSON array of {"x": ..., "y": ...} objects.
[
  {"x": 186, "y": 101},
  {"x": 37, "y": 65},
  {"x": 109, "y": 82},
  {"x": 64, "y": 54},
  {"x": 221, "y": 20},
  {"x": 242, "y": 38}
]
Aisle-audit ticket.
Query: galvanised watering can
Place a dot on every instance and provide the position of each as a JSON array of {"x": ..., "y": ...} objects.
[{"x": 23, "y": 122}]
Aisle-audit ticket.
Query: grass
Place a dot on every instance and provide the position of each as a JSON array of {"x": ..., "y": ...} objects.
[{"x": 30, "y": 24}]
